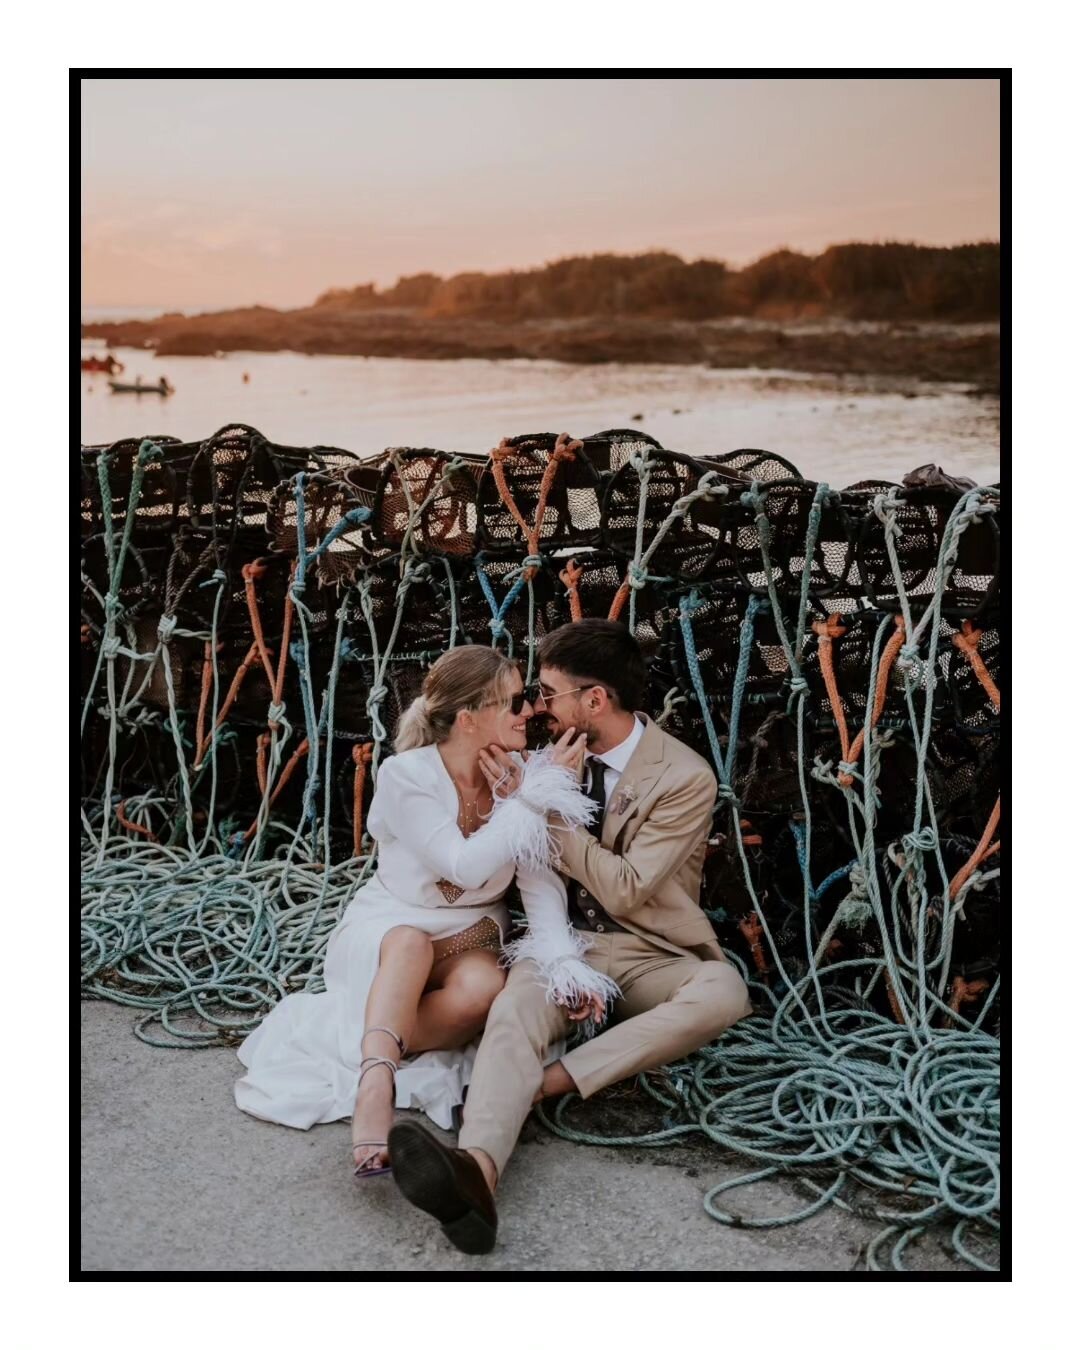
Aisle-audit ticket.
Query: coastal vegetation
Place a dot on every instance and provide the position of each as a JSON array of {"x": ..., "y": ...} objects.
[{"x": 877, "y": 309}]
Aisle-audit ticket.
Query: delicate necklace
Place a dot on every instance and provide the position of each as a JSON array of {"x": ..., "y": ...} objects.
[{"x": 468, "y": 810}]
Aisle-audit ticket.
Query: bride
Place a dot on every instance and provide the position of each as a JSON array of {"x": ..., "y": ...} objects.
[{"x": 419, "y": 955}]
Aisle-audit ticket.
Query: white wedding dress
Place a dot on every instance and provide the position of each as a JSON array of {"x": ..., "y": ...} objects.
[{"x": 303, "y": 1060}]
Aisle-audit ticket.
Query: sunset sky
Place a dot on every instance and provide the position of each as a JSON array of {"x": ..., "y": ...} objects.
[{"x": 218, "y": 192}]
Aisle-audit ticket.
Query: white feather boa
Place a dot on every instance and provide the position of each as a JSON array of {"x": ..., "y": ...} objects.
[{"x": 522, "y": 819}]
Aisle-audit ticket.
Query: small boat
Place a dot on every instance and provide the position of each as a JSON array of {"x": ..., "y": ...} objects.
[
  {"x": 162, "y": 387},
  {"x": 107, "y": 364}
]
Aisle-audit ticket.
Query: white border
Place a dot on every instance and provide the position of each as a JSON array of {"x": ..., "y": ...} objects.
[{"x": 1045, "y": 961}]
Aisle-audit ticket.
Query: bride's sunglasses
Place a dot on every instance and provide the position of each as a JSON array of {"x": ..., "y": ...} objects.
[{"x": 517, "y": 701}]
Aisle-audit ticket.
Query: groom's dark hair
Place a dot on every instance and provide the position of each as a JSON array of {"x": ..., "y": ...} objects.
[{"x": 598, "y": 651}]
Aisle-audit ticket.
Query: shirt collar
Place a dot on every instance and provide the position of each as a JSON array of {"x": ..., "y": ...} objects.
[{"x": 618, "y": 757}]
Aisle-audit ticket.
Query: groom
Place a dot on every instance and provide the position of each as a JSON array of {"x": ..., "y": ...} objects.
[{"x": 633, "y": 884}]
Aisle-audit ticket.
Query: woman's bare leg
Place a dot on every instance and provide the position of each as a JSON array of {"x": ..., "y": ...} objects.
[
  {"x": 405, "y": 959},
  {"x": 454, "y": 1008}
]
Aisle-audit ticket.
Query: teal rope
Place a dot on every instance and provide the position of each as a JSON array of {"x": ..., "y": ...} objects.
[{"x": 894, "y": 1121}]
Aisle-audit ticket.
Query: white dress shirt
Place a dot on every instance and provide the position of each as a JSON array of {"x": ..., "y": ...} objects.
[{"x": 615, "y": 760}]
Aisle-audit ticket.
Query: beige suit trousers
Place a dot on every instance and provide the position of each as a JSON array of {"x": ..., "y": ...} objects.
[{"x": 670, "y": 1005}]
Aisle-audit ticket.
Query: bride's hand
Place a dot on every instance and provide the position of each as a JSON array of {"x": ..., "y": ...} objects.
[
  {"x": 592, "y": 1007},
  {"x": 569, "y": 750},
  {"x": 502, "y": 773}
]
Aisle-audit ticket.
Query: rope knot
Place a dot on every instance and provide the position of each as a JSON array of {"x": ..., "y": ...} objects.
[
  {"x": 853, "y": 913},
  {"x": 921, "y": 841},
  {"x": 165, "y": 628},
  {"x": 275, "y": 714},
  {"x": 799, "y": 685},
  {"x": 503, "y": 451},
  {"x": 909, "y": 660},
  {"x": 571, "y": 573},
  {"x": 566, "y": 449},
  {"x": 830, "y": 627},
  {"x": 110, "y": 648},
  {"x": 532, "y": 562},
  {"x": 637, "y": 575},
  {"x": 726, "y": 793},
  {"x": 149, "y": 451},
  {"x": 216, "y": 577},
  {"x": 498, "y": 628},
  {"x": 969, "y": 636},
  {"x": 362, "y": 753},
  {"x": 415, "y": 571}
]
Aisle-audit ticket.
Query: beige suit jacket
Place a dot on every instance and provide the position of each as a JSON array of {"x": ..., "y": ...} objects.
[{"x": 646, "y": 868}]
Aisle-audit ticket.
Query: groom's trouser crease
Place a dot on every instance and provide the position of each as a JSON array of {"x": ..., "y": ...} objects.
[{"x": 671, "y": 1005}]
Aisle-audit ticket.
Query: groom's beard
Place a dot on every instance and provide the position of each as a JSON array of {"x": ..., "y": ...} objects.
[{"x": 555, "y": 727}]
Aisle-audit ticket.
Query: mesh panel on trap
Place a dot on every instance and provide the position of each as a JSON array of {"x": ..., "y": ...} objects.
[
  {"x": 426, "y": 500},
  {"x": 571, "y": 512}
]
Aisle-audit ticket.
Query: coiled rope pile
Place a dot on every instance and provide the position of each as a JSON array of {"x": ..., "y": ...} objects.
[{"x": 256, "y": 617}]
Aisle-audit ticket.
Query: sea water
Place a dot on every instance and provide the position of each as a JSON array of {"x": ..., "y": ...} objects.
[{"x": 839, "y": 429}]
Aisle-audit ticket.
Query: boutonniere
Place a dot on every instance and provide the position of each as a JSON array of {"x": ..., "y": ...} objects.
[{"x": 624, "y": 798}]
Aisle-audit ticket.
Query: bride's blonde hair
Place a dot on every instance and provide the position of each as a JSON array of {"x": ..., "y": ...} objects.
[{"x": 464, "y": 678}]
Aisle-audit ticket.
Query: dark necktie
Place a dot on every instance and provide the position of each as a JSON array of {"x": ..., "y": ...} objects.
[{"x": 597, "y": 795}]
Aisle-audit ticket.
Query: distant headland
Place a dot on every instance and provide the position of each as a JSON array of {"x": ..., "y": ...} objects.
[{"x": 892, "y": 308}]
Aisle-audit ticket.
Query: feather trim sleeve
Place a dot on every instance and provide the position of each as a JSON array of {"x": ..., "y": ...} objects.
[
  {"x": 521, "y": 820},
  {"x": 555, "y": 946},
  {"x": 408, "y": 807}
]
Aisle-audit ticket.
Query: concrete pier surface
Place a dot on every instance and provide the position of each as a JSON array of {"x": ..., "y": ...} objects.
[{"x": 176, "y": 1178}]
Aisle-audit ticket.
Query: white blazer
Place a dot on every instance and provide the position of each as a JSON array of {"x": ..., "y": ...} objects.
[{"x": 413, "y": 818}]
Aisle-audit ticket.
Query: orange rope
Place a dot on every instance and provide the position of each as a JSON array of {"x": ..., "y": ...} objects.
[
  {"x": 204, "y": 695},
  {"x": 260, "y": 761},
  {"x": 967, "y": 642},
  {"x": 298, "y": 754},
  {"x": 964, "y": 991},
  {"x": 894, "y": 1002},
  {"x": 278, "y": 685},
  {"x": 258, "y": 650},
  {"x": 565, "y": 450},
  {"x": 983, "y": 850},
  {"x": 751, "y": 929},
  {"x": 570, "y": 576},
  {"x": 230, "y": 699},
  {"x": 619, "y": 603},
  {"x": 250, "y": 572},
  {"x": 828, "y": 632},
  {"x": 361, "y": 758},
  {"x": 130, "y": 824}
]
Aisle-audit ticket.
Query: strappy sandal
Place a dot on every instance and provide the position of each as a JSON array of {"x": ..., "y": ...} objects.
[{"x": 369, "y": 1062}]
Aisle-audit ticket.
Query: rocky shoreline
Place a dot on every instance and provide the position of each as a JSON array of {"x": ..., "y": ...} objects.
[{"x": 936, "y": 352}]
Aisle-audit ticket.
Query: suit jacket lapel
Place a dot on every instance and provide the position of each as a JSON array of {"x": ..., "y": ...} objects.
[{"x": 643, "y": 769}]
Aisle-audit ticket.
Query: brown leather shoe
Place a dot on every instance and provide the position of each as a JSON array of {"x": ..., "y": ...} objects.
[{"x": 446, "y": 1183}]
